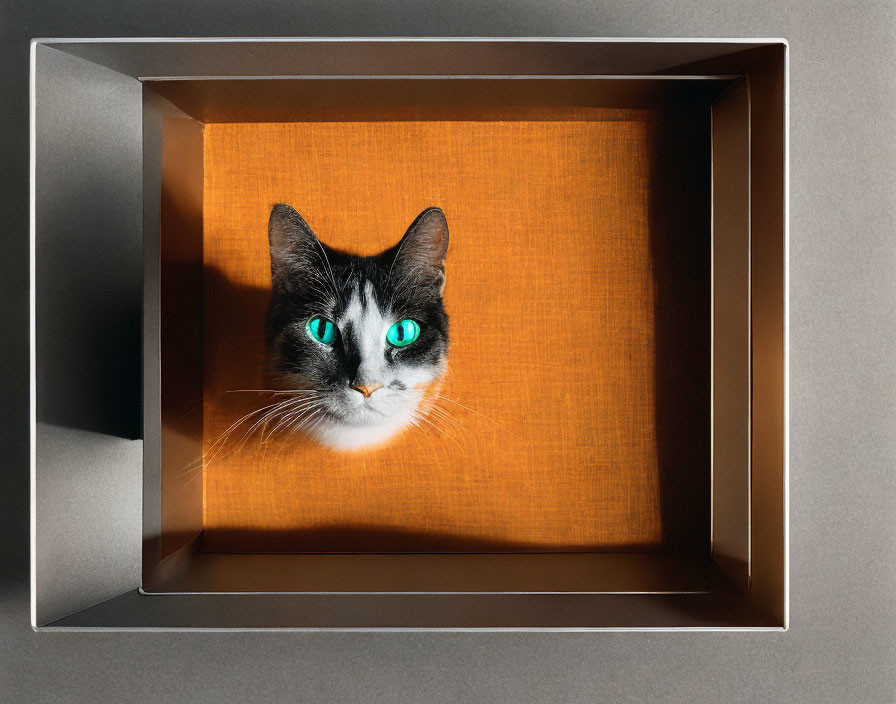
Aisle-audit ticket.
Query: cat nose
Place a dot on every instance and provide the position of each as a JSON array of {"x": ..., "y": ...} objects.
[{"x": 366, "y": 389}]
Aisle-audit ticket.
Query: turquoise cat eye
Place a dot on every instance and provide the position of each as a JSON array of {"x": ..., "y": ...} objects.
[
  {"x": 322, "y": 330},
  {"x": 403, "y": 333}
]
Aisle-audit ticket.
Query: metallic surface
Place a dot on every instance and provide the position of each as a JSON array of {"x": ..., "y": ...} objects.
[
  {"x": 89, "y": 551},
  {"x": 172, "y": 392},
  {"x": 526, "y": 573},
  {"x": 88, "y": 266},
  {"x": 769, "y": 482},
  {"x": 731, "y": 359},
  {"x": 416, "y": 612},
  {"x": 842, "y": 642},
  {"x": 476, "y": 56},
  {"x": 369, "y": 98},
  {"x": 179, "y": 193}
]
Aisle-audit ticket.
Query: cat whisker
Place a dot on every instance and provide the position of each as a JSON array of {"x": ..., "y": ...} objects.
[
  {"x": 442, "y": 415},
  {"x": 449, "y": 425},
  {"x": 441, "y": 423},
  {"x": 446, "y": 412},
  {"x": 283, "y": 407},
  {"x": 279, "y": 418},
  {"x": 290, "y": 418},
  {"x": 437, "y": 429},
  {"x": 222, "y": 439},
  {"x": 440, "y": 433},
  {"x": 290, "y": 392},
  {"x": 192, "y": 409},
  {"x": 269, "y": 411},
  {"x": 294, "y": 426},
  {"x": 472, "y": 410},
  {"x": 309, "y": 423}
]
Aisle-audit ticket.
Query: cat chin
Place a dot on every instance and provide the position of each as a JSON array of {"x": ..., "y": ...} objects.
[
  {"x": 338, "y": 435},
  {"x": 360, "y": 427}
]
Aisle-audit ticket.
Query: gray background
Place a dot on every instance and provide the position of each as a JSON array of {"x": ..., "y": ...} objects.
[{"x": 842, "y": 642}]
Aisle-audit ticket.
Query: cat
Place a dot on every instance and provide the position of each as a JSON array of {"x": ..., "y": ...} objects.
[{"x": 360, "y": 340}]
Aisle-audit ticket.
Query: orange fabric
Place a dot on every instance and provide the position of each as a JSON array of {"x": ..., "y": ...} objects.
[{"x": 550, "y": 441}]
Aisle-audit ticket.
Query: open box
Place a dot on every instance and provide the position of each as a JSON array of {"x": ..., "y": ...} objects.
[{"x": 155, "y": 165}]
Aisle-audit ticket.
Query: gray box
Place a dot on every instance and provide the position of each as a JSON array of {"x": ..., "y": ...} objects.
[{"x": 99, "y": 130}]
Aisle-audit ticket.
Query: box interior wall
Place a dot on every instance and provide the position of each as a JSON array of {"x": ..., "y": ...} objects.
[
  {"x": 585, "y": 234},
  {"x": 598, "y": 189}
]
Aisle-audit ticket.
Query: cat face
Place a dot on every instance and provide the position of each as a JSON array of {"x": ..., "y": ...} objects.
[{"x": 362, "y": 338}]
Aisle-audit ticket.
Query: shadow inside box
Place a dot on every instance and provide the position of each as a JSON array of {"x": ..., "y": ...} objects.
[
  {"x": 373, "y": 559},
  {"x": 679, "y": 216},
  {"x": 380, "y": 539},
  {"x": 89, "y": 361}
]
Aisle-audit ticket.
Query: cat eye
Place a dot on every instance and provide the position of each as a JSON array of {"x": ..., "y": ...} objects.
[
  {"x": 403, "y": 333},
  {"x": 321, "y": 329}
]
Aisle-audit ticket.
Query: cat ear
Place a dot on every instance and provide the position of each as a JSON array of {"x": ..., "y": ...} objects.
[
  {"x": 294, "y": 246},
  {"x": 422, "y": 251}
]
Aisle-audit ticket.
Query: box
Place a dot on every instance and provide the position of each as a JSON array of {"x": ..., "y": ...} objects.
[{"x": 155, "y": 163}]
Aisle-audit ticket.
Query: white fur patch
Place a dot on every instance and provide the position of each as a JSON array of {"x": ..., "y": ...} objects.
[
  {"x": 353, "y": 421},
  {"x": 369, "y": 325}
]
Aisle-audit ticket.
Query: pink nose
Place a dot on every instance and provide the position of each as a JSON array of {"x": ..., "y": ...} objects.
[{"x": 366, "y": 389}]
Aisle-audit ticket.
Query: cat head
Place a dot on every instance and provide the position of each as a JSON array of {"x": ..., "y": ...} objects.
[{"x": 361, "y": 337}]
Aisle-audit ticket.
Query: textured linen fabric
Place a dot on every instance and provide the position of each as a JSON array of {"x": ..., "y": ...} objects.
[{"x": 578, "y": 293}]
